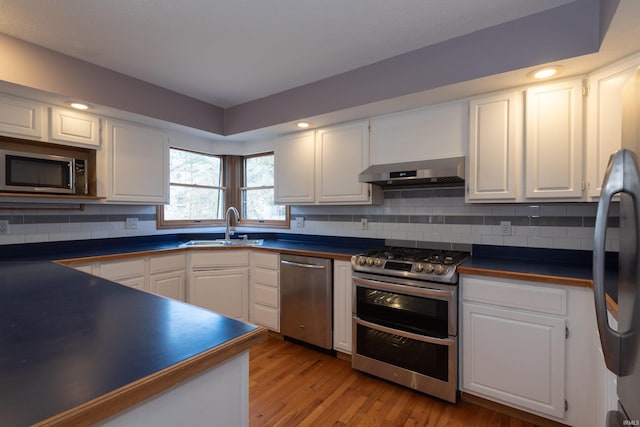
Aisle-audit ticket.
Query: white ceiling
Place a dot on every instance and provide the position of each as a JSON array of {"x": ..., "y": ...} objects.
[{"x": 227, "y": 52}]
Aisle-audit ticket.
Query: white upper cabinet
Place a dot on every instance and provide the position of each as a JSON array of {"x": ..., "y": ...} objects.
[
  {"x": 553, "y": 148},
  {"x": 21, "y": 118},
  {"x": 136, "y": 164},
  {"x": 434, "y": 132},
  {"x": 295, "y": 168},
  {"x": 322, "y": 167},
  {"x": 74, "y": 128},
  {"x": 342, "y": 152},
  {"x": 604, "y": 119},
  {"x": 495, "y": 141}
]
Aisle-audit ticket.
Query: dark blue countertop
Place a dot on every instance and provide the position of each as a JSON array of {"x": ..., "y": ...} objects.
[
  {"x": 328, "y": 245},
  {"x": 67, "y": 337},
  {"x": 573, "y": 267}
]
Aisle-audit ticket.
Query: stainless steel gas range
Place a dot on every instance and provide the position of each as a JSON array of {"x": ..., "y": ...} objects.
[{"x": 405, "y": 317}]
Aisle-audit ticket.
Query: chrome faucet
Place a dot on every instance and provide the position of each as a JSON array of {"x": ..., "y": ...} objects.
[{"x": 227, "y": 233}]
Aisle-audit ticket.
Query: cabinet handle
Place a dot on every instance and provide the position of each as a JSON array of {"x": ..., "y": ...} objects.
[
  {"x": 622, "y": 176},
  {"x": 439, "y": 341},
  {"x": 303, "y": 265}
]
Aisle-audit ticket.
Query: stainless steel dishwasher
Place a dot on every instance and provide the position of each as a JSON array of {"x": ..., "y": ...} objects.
[{"x": 306, "y": 297}]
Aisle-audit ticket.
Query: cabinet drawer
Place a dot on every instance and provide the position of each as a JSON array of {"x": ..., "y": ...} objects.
[
  {"x": 267, "y": 316},
  {"x": 159, "y": 264},
  {"x": 265, "y": 277},
  {"x": 122, "y": 269},
  {"x": 266, "y": 295},
  {"x": 265, "y": 260},
  {"x": 219, "y": 258},
  {"x": 515, "y": 294}
]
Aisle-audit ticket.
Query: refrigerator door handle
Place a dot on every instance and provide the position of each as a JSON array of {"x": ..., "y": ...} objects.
[{"x": 621, "y": 177}]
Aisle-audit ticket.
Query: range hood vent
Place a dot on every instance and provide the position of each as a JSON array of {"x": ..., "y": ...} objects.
[{"x": 426, "y": 173}]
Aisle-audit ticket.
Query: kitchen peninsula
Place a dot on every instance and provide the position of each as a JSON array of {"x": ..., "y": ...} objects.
[{"x": 78, "y": 349}]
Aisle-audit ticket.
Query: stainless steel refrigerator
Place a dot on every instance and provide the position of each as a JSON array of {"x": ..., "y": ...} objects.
[{"x": 622, "y": 186}]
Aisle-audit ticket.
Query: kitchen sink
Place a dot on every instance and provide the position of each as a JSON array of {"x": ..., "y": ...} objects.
[{"x": 221, "y": 242}]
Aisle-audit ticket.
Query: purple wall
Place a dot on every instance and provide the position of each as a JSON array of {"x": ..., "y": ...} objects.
[
  {"x": 559, "y": 33},
  {"x": 33, "y": 66},
  {"x": 567, "y": 31}
]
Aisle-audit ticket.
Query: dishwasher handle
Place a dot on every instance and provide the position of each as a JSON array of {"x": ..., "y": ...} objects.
[{"x": 303, "y": 265}]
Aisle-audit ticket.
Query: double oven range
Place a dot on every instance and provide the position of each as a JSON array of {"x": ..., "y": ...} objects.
[{"x": 405, "y": 314}]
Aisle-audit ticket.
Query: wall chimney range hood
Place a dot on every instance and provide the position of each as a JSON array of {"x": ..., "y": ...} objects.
[{"x": 447, "y": 172}]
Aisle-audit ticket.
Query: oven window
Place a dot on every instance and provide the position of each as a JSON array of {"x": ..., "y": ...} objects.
[
  {"x": 428, "y": 359},
  {"x": 420, "y": 315}
]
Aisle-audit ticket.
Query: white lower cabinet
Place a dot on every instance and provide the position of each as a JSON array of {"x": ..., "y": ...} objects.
[
  {"x": 264, "y": 290},
  {"x": 130, "y": 272},
  {"x": 515, "y": 356},
  {"x": 159, "y": 274},
  {"x": 342, "y": 306},
  {"x": 167, "y": 276},
  {"x": 529, "y": 346},
  {"x": 219, "y": 281}
]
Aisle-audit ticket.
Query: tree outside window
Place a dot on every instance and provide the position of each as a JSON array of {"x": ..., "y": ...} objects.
[
  {"x": 196, "y": 188},
  {"x": 199, "y": 194},
  {"x": 257, "y": 192}
]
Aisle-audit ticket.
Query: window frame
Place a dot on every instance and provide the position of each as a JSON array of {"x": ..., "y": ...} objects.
[
  {"x": 241, "y": 186},
  {"x": 163, "y": 223},
  {"x": 233, "y": 187}
]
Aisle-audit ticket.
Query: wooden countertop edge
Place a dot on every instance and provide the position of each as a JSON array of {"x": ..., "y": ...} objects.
[
  {"x": 125, "y": 397},
  {"x": 128, "y": 255},
  {"x": 532, "y": 277}
]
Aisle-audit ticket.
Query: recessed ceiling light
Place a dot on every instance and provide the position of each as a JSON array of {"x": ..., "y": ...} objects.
[
  {"x": 303, "y": 125},
  {"x": 546, "y": 72},
  {"x": 79, "y": 105}
]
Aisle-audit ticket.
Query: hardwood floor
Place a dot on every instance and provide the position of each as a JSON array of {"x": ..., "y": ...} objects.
[{"x": 291, "y": 385}]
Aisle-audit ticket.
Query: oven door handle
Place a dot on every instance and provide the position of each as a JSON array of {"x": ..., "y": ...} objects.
[
  {"x": 414, "y": 290},
  {"x": 423, "y": 338}
]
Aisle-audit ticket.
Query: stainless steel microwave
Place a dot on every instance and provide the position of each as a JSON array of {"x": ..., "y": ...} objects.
[{"x": 42, "y": 173}]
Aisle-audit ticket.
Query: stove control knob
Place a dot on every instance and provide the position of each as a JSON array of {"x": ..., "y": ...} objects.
[
  {"x": 440, "y": 269},
  {"x": 369, "y": 261},
  {"x": 428, "y": 268},
  {"x": 419, "y": 268},
  {"x": 362, "y": 260},
  {"x": 378, "y": 262}
]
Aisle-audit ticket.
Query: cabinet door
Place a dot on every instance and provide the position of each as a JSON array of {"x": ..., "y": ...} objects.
[
  {"x": 171, "y": 284},
  {"x": 342, "y": 152},
  {"x": 433, "y": 132},
  {"x": 223, "y": 291},
  {"x": 604, "y": 133},
  {"x": 125, "y": 269},
  {"x": 295, "y": 168},
  {"x": 265, "y": 290},
  {"x": 21, "y": 117},
  {"x": 553, "y": 148},
  {"x": 74, "y": 128},
  {"x": 515, "y": 357},
  {"x": 495, "y": 136},
  {"x": 342, "y": 306},
  {"x": 133, "y": 282},
  {"x": 137, "y": 164}
]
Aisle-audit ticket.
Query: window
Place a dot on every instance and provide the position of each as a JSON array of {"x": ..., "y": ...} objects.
[
  {"x": 257, "y": 193},
  {"x": 197, "y": 192},
  {"x": 200, "y": 193}
]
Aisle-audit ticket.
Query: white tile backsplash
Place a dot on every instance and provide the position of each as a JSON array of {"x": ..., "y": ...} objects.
[{"x": 475, "y": 231}]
